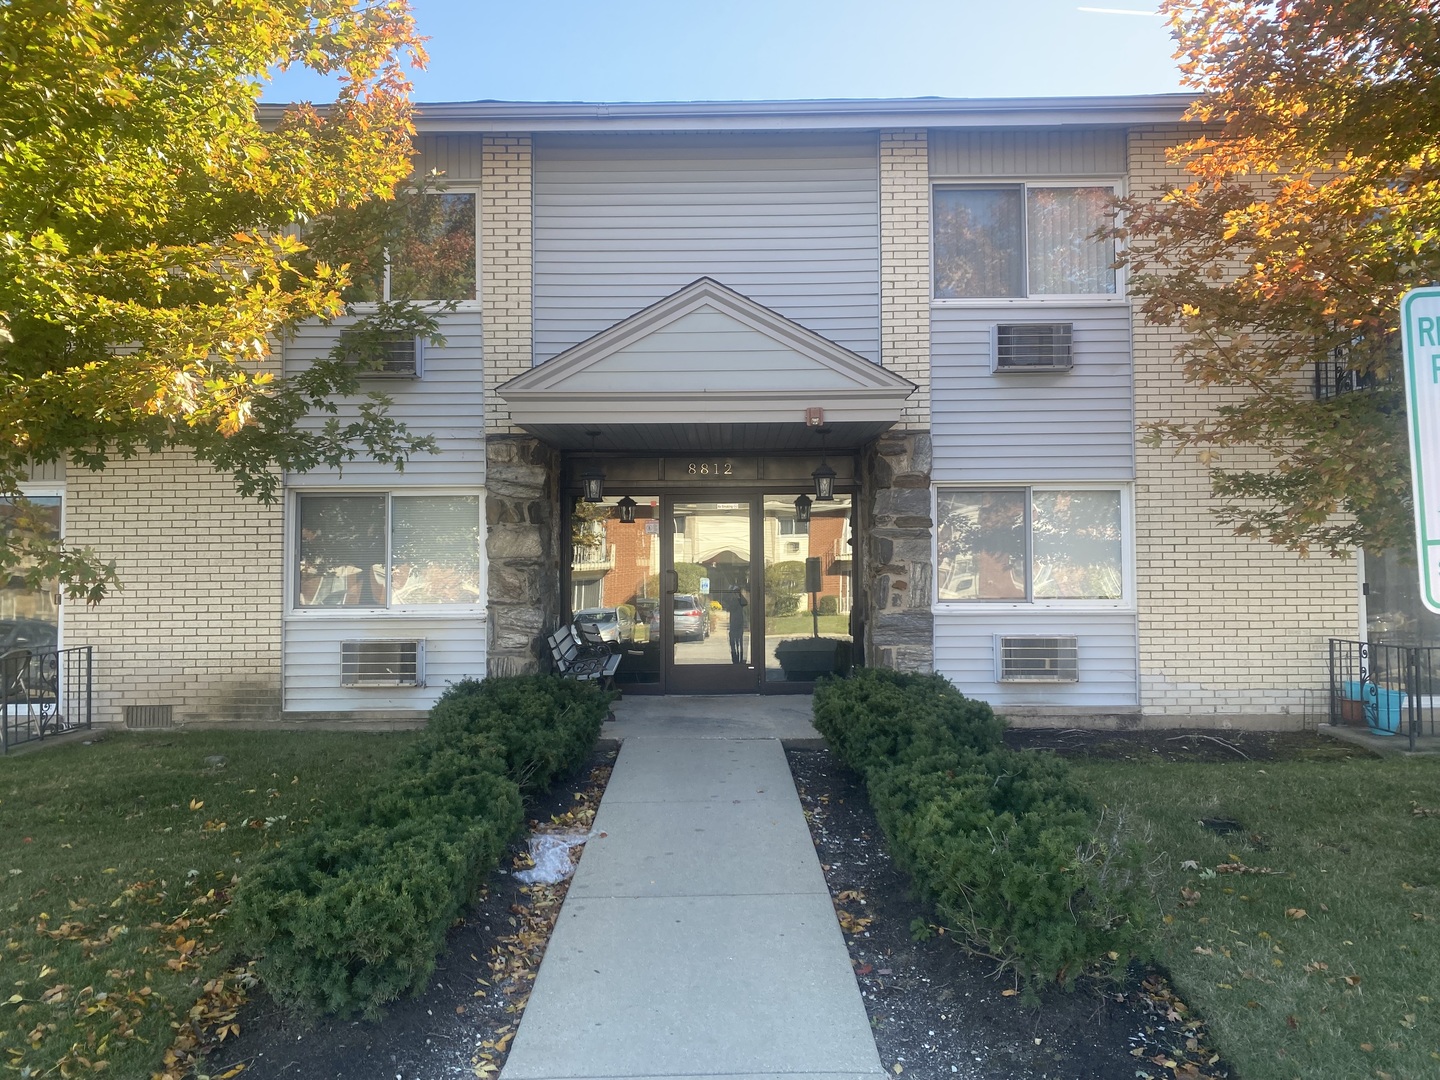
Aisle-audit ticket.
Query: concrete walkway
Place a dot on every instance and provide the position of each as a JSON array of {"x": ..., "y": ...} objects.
[{"x": 698, "y": 938}]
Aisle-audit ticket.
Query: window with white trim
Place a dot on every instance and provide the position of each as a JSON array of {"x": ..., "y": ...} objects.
[
  {"x": 379, "y": 550},
  {"x": 1030, "y": 544},
  {"x": 1007, "y": 241},
  {"x": 434, "y": 256},
  {"x": 30, "y": 614}
]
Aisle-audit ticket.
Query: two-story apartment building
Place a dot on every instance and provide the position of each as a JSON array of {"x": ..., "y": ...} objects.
[{"x": 713, "y": 315}]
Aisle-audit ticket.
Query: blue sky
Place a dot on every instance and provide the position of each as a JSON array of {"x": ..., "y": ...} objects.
[{"x": 647, "y": 50}]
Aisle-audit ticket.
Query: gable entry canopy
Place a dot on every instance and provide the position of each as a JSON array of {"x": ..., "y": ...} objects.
[{"x": 705, "y": 370}]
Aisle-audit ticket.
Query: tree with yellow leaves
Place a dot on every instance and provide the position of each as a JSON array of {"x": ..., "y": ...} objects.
[
  {"x": 1313, "y": 204},
  {"x": 148, "y": 222}
]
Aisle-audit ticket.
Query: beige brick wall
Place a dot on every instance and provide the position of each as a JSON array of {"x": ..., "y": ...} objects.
[
  {"x": 197, "y": 625},
  {"x": 905, "y": 266},
  {"x": 506, "y": 217},
  {"x": 1228, "y": 625}
]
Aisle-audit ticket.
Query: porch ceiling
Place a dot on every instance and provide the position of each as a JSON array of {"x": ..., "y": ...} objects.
[
  {"x": 705, "y": 370},
  {"x": 708, "y": 438}
]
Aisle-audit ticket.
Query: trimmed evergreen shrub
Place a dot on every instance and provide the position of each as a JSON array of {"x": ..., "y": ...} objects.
[
  {"x": 545, "y": 726},
  {"x": 352, "y": 915},
  {"x": 877, "y": 714},
  {"x": 350, "y": 918},
  {"x": 1006, "y": 847}
]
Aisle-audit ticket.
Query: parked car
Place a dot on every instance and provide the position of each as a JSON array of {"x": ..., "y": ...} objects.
[
  {"x": 692, "y": 621},
  {"x": 614, "y": 625},
  {"x": 26, "y": 634}
]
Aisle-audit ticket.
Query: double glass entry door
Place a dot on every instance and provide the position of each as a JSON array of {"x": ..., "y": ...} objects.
[{"x": 729, "y": 594}]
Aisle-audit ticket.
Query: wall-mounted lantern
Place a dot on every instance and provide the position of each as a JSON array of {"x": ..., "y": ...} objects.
[
  {"x": 627, "y": 510},
  {"x": 802, "y": 508}
]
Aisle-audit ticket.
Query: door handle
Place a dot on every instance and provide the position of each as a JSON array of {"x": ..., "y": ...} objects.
[{"x": 670, "y": 581}]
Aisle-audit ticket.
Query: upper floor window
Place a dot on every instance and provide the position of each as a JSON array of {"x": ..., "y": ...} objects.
[
  {"x": 793, "y": 526},
  {"x": 432, "y": 254},
  {"x": 1022, "y": 240}
]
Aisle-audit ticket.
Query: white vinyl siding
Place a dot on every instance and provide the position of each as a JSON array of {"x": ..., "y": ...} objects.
[
  {"x": 790, "y": 221},
  {"x": 1106, "y": 646},
  {"x": 1032, "y": 426},
  {"x": 448, "y": 403},
  {"x": 1029, "y": 152},
  {"x": 454, "y": 650}
]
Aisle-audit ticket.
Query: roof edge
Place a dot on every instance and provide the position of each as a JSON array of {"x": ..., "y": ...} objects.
[{"x": 820, "y": 114}]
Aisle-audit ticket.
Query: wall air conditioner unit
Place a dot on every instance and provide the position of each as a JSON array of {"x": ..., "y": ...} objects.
[
  {"x": 1037, "y": 346},
  {"x": 401, "y": 358},
  {"x": 1036, "y": 659},
  {"x": 382, "y": 663}
]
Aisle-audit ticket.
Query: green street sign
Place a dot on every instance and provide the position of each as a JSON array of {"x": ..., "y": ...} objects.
[{"x": 1420, "y": 333}]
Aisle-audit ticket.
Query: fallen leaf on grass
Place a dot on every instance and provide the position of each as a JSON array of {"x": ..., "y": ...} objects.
[
  {"x": 1352, "y": 980},
  {"x": 1296, "y": 913}
]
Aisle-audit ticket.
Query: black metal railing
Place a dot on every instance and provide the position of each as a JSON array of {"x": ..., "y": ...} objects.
[
  {"x": 1388, "y": 688},
  {"x": 45, "y": 692}
]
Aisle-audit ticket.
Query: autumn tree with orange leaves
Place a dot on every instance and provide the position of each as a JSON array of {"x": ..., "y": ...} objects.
[
  {"x": 1313, "y": 204},
  {"x": 148, "y": 218}
]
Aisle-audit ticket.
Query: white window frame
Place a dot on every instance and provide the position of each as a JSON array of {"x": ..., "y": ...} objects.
[
  {"x": 1119, "y": 296},
  {"x": 471, "y": 188},
  {"x": 984, "y": 608},
  {"x": 293, "y": 609}
]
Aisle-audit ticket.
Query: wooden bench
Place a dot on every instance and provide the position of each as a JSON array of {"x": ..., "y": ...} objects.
[{"x": 582, "y": 664}]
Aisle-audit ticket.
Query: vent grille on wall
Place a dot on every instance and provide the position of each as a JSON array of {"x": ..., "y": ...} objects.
[
  {"x": 1033, "y": 347},
  {"x": 141, "y": 717},
  {"x": 1037, "y": 659},
  {"x": 382, "y": 663}
]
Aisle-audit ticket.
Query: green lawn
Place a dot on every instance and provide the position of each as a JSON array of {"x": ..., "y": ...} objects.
[
  {"x": 803, "y": 625},
  {"x": 1327, "y": 965},
  {"x": 115, "y": 865}
]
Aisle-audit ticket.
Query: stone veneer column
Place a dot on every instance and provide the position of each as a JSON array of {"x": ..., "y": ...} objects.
[
  {"x": 522, "y": 498},
  {"x": 895, "y": 530},
  {"x": 522, "y": 515},
  {"x": 895, "y": 525}
]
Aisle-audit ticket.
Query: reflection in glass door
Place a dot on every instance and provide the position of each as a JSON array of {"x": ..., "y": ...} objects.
[
  {"x": 808, "y": 589},
  {"x": 707, "y": 597}
]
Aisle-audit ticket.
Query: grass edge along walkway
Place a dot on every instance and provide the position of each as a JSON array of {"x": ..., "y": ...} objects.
[
  {"x": 1301, "y": 921},
  {"x": 117, "y": 861}
]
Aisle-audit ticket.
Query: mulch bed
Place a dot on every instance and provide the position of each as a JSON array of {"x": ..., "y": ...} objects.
[
  {"x": 936, "y": 1010},
  {"x": 940, "y": 1011},
  {"x": 463, "y": 1023}
]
